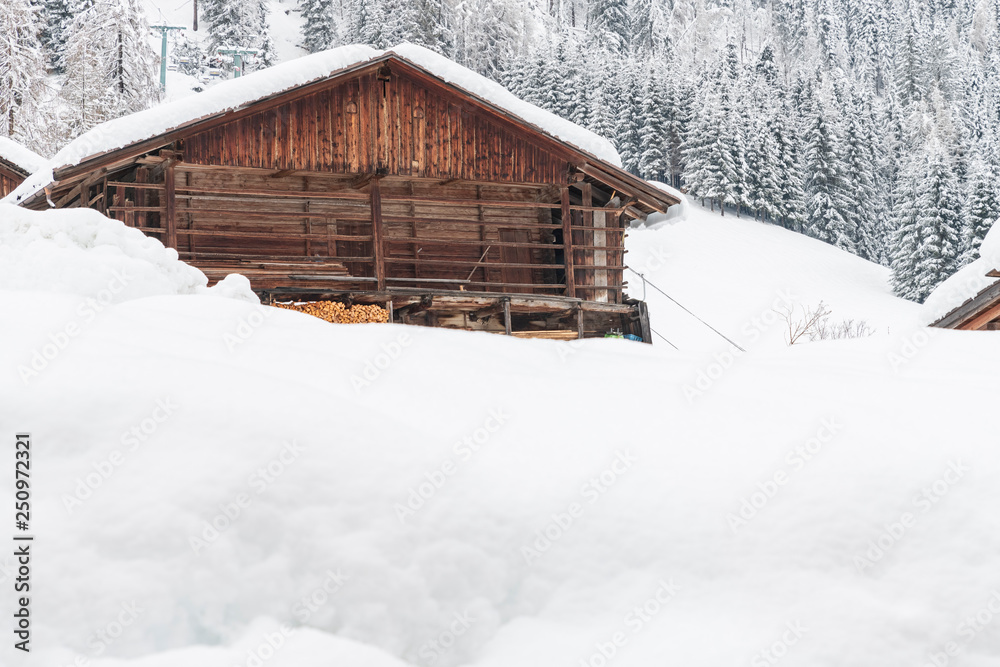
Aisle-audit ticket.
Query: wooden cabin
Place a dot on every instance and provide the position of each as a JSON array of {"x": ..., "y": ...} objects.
[
  {"x": 395, "y": 178},
  {"x": 980, "y": 313},
  {"x": 16, "y": 164}
]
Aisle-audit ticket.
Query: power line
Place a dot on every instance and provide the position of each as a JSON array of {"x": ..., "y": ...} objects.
[
  {"x": 681, "y": 306},
  {"x": 664, "y": 338}
]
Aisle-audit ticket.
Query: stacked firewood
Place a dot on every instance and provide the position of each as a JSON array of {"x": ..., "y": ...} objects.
[{"x": 335, "y": 311}]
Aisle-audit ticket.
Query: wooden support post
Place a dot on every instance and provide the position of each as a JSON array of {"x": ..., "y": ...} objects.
[
  {"x": 579, "y": 322},
  {"x": 568, "y": 242},
  {"x": 308, "y": 221},
  {"x": 506, "y": 316},
  {"x": 600, "y": 256},
  {"x": 169, "y": 186},
  {"x": 377, "y": 249}
]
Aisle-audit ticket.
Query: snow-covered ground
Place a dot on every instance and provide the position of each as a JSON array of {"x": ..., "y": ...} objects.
[{"x": 216, "y": 483}]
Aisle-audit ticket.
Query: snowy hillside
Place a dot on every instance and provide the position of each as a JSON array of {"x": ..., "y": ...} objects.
[
  {"x": 219, "y": 483},
  {"x": 743, "y": 277}
]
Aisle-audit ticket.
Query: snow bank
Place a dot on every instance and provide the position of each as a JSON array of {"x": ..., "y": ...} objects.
[
  {"x": 25, "y": 159},
  {"x": 252, "y": 486},
  {"x": 236, "y": 93},
  {"x": 463, "y": 506},
  {"x": 967, "y": 282},
  {"x": 81, "y": 252}
]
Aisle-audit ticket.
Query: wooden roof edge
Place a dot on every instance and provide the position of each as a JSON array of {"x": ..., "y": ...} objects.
[
  {"x": 653, "y": 197},
  {"x": 16, "y": 170},
  {"x": 970, "y": 308}
]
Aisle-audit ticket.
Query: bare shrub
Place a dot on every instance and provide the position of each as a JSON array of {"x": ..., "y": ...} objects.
[{"x": 812, "y": 323}]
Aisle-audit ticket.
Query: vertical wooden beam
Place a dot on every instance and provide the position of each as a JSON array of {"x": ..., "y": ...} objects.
[
  {"x": 579, "y": 322},
  {"x": 169, "y": 189},
  {"x": 377, "y": 250},
  {"x": 568, "y": 242},
  {"x": 600, "y": 256},
  {"x": 141, "y": 176},
  {"x": 308, "y": 221},
  {"x": 105, "y": 199},
  {"x": 506, "y": 315}
]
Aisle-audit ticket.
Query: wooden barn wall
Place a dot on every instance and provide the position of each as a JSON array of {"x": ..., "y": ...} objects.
[
  {"x": 434, "y": 235},
  {"x": 8, "y": 182},
  {"x": 440, "y": 241},
  {"x": 401, "y": 126}
]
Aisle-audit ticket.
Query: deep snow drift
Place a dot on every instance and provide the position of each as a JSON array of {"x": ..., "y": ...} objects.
[
  {"x": 219, "y": 483},
  {"x": 79, "y": 251}
]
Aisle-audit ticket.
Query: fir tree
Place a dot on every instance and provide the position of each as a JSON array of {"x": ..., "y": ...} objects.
[
  {"x": 608, "y": 23},
  {"x": 827, "y": 204},
  {"x": 318, "y": 30},
  {"x": 653, "y": 137},
  {"x": 934, "y": 225},
  {"x": 982, "y": 208},
  {"x": 240, "y": 24},
  {"x": 859, "y": 163}
]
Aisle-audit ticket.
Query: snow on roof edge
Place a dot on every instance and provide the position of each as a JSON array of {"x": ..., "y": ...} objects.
[
  {"x": 236, "y": 93},
  {"x": 966, "y": 283},
  {"x": 20, "y": 156}
]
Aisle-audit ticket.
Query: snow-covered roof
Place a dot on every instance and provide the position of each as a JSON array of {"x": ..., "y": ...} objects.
[
  {"x": 236, "y": 93},
  {"x": 969, "y": 282},
  {"x": 24, "y": 159}
]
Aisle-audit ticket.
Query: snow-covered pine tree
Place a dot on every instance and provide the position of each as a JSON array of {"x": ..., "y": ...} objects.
[
  {"x": 704, "y": 149},
  {"x": 982, "y": 207},
  {"x": 361, "y": 26},
  {"x": 653, "y": 137},
  {"x": 398, "y": 21},
  {"x": 905, "y": 242},
  {"x": 602, "y": 118},
  {"x": 646, "y": 27},
  {"x": 608, "y": 24},
  {"x": 628, "y": 121},
  {"x": 730, "y": 151},
  {"x": 240, "y": 24},
  {"x": 908, "y": 64},
  {"x": 22, "y": 69},
  {"x": 859, "y": 164},
  {"x": 111, "y": 70},
  {"x": 318, "y": 28},
  {"x": 767, "y": 166},
  {"x": 938, "y": 223},
  {"x": 489, "y": 35},
  {"x": 431, "y": 25},
  {"x": 580, "y": 85},
  {"x": 681, "y": 97},
  {"x": 57, "y": 16},
  {"x": 557, "y": 79},
  {"x": 788, "y": 153},
  {"x": 827, "y": 204}
]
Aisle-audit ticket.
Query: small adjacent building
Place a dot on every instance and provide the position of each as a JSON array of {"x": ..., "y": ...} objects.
[
  {"x": 393, "y": 177},
  {"x": 979, "y": 313},
  {"x": 16, "y": 164}
]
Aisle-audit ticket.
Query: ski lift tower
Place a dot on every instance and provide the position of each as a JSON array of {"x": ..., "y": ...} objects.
[
  {"x": 164, "y": 29},
  {"x": 237, "y": 55}
]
